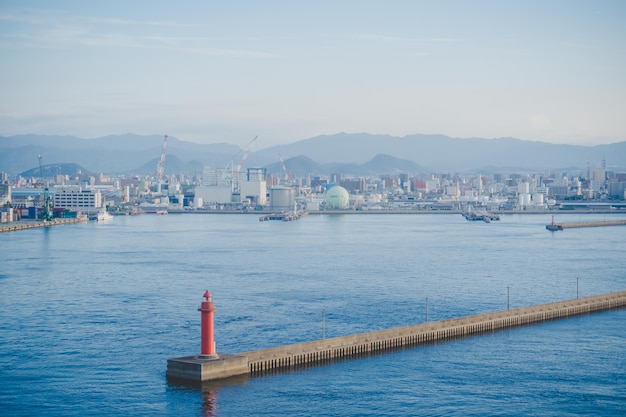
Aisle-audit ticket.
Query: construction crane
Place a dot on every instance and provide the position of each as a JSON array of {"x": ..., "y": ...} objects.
[
  {"x": 282, "y": 165},
  {"x": 233, "y": 175},
  {"x": 161, "y": 166},
  {"x": 246, "y": 152},
  {"x": 46, "y": 215}
]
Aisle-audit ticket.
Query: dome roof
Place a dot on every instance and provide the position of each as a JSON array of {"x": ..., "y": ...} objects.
[{"x": 337, "y": 197}]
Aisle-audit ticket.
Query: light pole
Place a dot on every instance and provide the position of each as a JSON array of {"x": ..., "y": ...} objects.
[
  {"x": 576, "y": 287},
  {"x": 426, "y": 309}
]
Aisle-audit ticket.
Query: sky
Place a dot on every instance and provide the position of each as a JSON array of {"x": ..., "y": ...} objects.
[{"x": 211, "y": 72}]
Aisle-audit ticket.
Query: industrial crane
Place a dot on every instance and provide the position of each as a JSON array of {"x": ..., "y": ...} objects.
[
  {"x": 46, "y": 215},
  {"x": 247, "y": 151},
  {"x": 284, "y": 168},
  {"x": 161, "y": 166},
  {"x": 233, "y": 175}
]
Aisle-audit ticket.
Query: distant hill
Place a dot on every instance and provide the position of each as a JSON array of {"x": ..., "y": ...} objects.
[
  {"x": 346, "y": 153},
  {"x": 110, "y": 154},
  {"x": 441, "y": 153},
  {"x": 301, "y": 165}
]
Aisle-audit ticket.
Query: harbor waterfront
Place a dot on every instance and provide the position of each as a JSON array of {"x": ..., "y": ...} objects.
[{"x": 91, "y": 312}]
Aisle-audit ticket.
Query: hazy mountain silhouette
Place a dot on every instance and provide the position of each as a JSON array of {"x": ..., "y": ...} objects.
[
  {"x": 110, "y": 154},
  {"x": 439, "y": 152},
  {"x": 357, "y": 154}
]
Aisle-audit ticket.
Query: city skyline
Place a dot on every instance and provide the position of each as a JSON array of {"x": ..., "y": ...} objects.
[{"x": 209, "y": 72}]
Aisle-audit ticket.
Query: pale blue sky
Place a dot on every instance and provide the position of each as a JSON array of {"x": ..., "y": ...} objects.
[{"x": 207, "y": 71}]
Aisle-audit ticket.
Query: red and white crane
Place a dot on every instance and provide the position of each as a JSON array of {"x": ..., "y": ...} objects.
[
  {"x": 246, "y": 152},
  {"x": 288, "y": 176}
]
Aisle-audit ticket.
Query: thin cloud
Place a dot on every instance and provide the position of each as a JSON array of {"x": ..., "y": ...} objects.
[
  {"x": 57, "y": 30},
  {"x": 68, "y": 38},
  {"x": 127, "y": 22},
  {"x": 575, "y": 45},
  {"x": 28, "y": 19},
  {"x": 387, "y": 38},
  {"x": 47, "y": 17}
]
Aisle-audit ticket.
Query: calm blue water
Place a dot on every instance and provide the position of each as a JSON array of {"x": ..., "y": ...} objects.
[{"x": 90, "y": 313}]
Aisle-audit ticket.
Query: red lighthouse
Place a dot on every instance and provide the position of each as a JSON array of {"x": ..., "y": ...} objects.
[{"x": 207, "y": 309}]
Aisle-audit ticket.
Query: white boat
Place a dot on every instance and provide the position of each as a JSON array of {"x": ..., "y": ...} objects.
[{"x": 101, "y": 216}]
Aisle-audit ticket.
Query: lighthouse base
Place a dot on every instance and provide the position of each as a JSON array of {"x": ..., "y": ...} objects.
[{"x": 198, "y": 368}]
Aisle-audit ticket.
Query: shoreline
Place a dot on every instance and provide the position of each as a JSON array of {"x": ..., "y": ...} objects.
[{"x": 380, "y": 212}]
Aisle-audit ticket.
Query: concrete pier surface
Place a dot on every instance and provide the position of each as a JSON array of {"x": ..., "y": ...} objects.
[
  {"x": 258, "y": 362},
  {"x": 593, "y": 224},
  {"x": 23, "y": 225},
  {"x": 553, "y": 227}
]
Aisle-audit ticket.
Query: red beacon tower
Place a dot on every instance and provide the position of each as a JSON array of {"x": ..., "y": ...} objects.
[{"x": 207, "y": 310}]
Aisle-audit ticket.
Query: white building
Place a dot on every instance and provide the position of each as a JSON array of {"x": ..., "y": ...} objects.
[
  {"x": 256, "y": 191},
  {"x": 214, "y": 194},
  {"x": 77, "y": 199},
  {"x": 255, "y": 187}
]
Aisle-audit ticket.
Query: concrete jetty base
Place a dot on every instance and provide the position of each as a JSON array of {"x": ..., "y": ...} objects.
[
  {"x": 198, "y": 368},
  {"x": 284, "y": 358}
]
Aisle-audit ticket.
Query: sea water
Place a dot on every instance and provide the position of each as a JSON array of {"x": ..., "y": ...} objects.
[{"x": 90, "y": 313}]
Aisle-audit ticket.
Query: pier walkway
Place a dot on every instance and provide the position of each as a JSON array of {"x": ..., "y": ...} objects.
[
  {"x": 553, "y": 227},
  {"x": 283, "y": 358}
]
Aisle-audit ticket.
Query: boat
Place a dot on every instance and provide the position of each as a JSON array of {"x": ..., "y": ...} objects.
[{"x": 100, "y": 216}]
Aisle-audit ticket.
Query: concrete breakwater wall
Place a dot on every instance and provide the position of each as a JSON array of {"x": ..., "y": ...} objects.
[
  {"x": 283, "y": 358},
  {"x": 23, "y": 225},
  {"x": 593, "y": 224},
  {"x": 553, "y": 227},
  {"x": 320, "y": 351}
]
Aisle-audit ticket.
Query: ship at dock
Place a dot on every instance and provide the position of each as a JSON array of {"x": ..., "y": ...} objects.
[{"x": 100, "y": 216}]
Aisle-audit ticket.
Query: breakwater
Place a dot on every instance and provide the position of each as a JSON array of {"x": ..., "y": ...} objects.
[
  {"x": 24, "y": 225},
  {"x": 560, "y": 226},
  {"x": 316, "y": 352}
]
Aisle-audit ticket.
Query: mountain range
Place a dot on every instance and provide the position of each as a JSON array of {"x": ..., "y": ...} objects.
[{"x": 347, "y": 153}]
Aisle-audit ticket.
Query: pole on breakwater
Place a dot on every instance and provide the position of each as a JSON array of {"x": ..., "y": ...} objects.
[{"x": 196, "y": 369}]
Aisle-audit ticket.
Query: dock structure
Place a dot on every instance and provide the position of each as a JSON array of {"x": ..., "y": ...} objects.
[
  {"x": 286, "y": 217},
  {"x": 553, "y": 227},
  {"x": 283, "y": 358},
  {"x": 477, "y": 214}
]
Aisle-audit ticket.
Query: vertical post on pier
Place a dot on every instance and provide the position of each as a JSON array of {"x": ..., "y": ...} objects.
[
  {"x": 207, "y": 334},
  {"x": 426, "y": 309},
  {"x": 576, "y": 287}
]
